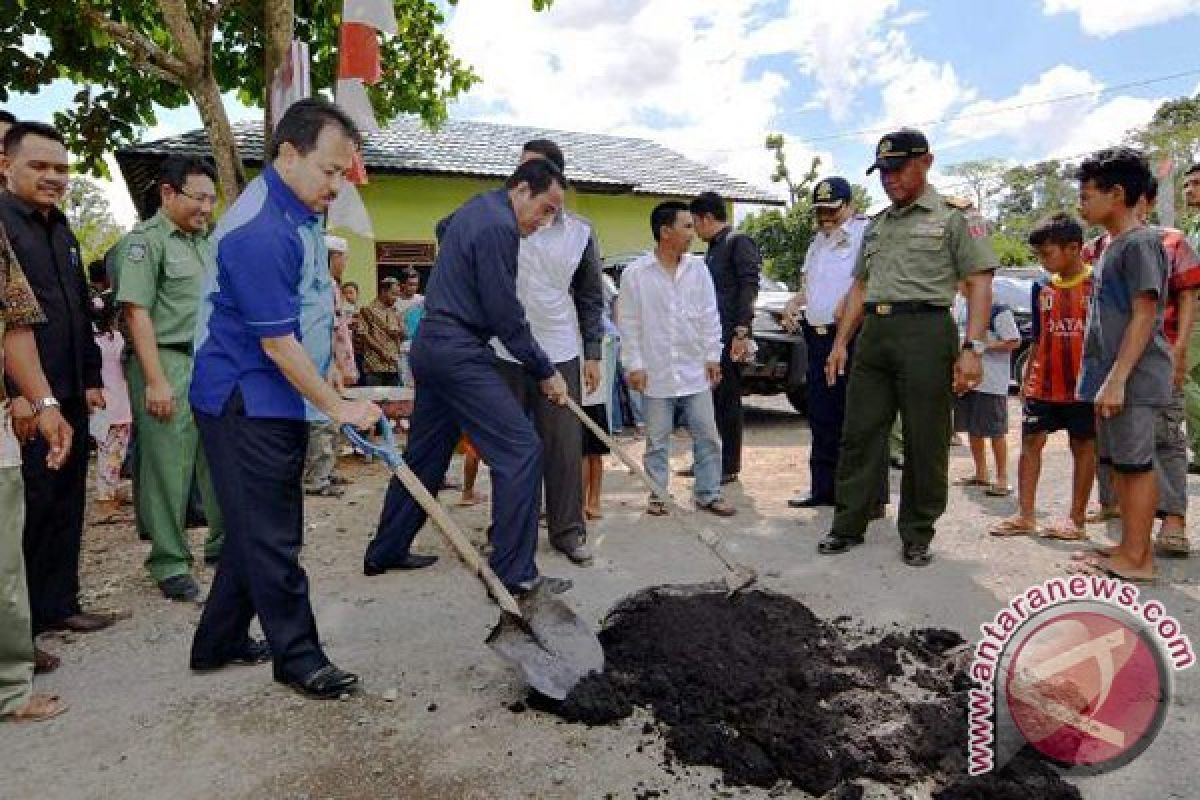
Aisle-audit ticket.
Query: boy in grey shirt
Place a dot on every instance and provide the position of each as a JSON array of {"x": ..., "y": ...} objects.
[
  {"x": 982, "y": 413},
  {"x": 1127, "y": 367}
]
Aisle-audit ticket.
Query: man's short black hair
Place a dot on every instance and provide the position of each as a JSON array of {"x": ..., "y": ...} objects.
[
  {"x": 17, "y": 133},
  {"x": 665, "y": 214},
  {"x": 97, "y": 271},
  {"x": 1117, "y": 166},
  {"x": 7, "y": 116},
  {"x": 710, "y": 203},
  {"x": 539, "y": 173},
  {"x": 407, "y": 274},
  {"x": 1194, "y": 169},
  {"x": 303, "y": 122},
  {"x": 351, "y": 283},
  {"x": 1060, "y": 229},
  {"x": 547, "y": 149},
  {"x": 175, "y": 170}
]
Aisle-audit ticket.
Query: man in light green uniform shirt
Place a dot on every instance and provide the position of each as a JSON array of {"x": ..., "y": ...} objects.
[
  {"x": 908, "y": 357},
  {"x": 160, "y": 270}
]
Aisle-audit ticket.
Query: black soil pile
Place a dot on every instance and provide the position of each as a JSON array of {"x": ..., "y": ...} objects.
[{"x": 761, "y": 688}]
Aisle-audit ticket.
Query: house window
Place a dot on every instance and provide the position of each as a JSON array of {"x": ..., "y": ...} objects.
[{"x": 392, "y": 258}]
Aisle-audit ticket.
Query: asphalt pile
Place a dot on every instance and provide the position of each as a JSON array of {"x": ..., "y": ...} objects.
[{"x": 761, "y": 688}]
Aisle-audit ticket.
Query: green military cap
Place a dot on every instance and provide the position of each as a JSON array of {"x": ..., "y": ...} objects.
[{"x": 897, "y": 147}]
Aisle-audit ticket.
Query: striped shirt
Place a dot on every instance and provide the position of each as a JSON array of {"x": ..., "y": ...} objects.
[{"x": 1060, "y": 319}]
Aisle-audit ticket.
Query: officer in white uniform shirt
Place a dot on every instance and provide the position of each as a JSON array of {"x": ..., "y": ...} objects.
[
  {"x": 829, "y": 272},
  {"x": 559, "y": 284}
]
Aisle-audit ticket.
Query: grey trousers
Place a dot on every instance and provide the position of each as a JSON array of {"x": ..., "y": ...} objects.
[
  {"x": 16, "y": 628},
  {"x": 320, "y": 458},
  {"x": 1170, "y": 462},
  {"x": 561, "y": 433}
]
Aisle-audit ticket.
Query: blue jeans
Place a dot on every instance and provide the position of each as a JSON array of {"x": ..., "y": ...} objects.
[{"x": 697, "y": 412}]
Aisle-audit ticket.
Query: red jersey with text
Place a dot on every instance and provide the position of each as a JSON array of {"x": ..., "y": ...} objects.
[{"x": 1060, "y": 319}]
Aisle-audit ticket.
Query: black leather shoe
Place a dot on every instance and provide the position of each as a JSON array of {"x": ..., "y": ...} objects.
[
  {"x": 180, "y": 588},
  {"x": 917, "y": 555},
  {"x": 553, "y": 585},
  {"x": 809, "y": 502},
  {"x": 413, "y": 561},
  {"x": 254, "y": 651},
  {"x": 577, "y": 551},
  {"x": 728, "y": 478},
  {"x": 833, "y": 545},
  {"x": 1193, "y": 469},
  {"x": 327, "y": 682}
]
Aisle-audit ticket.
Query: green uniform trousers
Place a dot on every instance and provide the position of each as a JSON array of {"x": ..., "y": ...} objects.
[
  {"x": 167, "y": 456},
  {"x": 16, "y": 626},
  {"x": 904, "y": 363},
  {"x": 1191, "y": 393}
]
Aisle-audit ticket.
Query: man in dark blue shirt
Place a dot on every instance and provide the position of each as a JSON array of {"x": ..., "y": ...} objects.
[
  {"x": 472, "y": 297},
  {"x": 250, "y": 380}
]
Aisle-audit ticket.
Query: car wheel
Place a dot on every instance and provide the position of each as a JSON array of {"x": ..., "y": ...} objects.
[{"x": 798, "y": 397}]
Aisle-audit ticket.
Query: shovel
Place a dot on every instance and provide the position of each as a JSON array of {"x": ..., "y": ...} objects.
[
  {"x": 737, "y": 576},
  {"x": 548, "y": 642}
]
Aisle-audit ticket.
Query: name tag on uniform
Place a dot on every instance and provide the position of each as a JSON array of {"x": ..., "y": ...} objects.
[{"x": 930, "y": 229}]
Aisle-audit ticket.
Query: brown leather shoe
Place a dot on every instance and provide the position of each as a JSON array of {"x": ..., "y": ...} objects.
[
  {"x": 720, "y": 507},
  {"x": 44, "y": 662},
  {"x": 83, "y": 622}
]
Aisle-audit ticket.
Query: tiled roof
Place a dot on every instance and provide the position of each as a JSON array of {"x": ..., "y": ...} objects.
[{"x": 595, "y": 162}]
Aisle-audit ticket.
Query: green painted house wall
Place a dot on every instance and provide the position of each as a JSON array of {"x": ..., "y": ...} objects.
[{"x": 407, "y": 207}]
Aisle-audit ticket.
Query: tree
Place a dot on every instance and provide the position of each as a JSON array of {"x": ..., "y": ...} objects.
[
  {"x": 783, "y": 236},
  {"x": 984, "y": 178},
  {"x": 132, "y": 54},
  {"x": 1173, "y": 133},
  {"x": 87, "y": 210}
]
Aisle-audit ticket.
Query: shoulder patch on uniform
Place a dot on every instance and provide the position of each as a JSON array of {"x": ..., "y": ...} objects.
[
  {"x": 961, "y": 203},
  {"x": 137, "y": 251}
]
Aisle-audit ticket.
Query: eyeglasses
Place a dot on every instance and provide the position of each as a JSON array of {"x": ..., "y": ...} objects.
[{"x": 203, "y": 199}]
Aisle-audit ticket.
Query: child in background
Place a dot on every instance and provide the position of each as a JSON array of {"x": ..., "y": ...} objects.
[
  {"x": 112, "y": 425},
  {"x": 982, "y": 413},
  {"x": 1127, "y": 367},
  {"x": 595, "y": 403},
  {"x": 1060, "y": 310}
]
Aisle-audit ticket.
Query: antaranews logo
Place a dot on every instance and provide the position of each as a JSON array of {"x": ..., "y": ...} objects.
[{"x": 1077, "y": 667}]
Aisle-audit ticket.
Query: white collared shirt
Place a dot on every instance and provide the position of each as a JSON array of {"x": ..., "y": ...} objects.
[
  {"x": 829, "y": 269},
  {"x": 546, "y": 266},
  {"x": 669, "y": 325}
]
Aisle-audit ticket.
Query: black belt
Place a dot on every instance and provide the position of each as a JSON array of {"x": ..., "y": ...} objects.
[
  {"x": 891, "y": 309},
  {"x": 177, "y": 347}
]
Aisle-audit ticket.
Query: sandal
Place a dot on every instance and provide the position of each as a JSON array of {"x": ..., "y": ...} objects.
[
  {"x": 40, "y": 708},
  {"x": 996, "y": 490},
  {"x": 1102, "y": 569},
  {"x": 1014, "y": 526},
  {"x": 1093, "y": 554},
  {"x": 1100, "y": 515},
  {"x": 972, "y": 481},
  {"x": 656, "y": 508},
  {"x": 1065, "y": 531},
  {"x": 1173, "y": 543}
]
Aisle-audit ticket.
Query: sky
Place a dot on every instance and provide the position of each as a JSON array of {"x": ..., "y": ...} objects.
[{"x": 711, "y": 78}]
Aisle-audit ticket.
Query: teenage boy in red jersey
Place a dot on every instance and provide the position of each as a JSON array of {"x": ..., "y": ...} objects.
[{"x": 1060, "y": 308}]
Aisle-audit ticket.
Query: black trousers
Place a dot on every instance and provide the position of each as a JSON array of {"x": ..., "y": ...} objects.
[
  {"x": 561, "y": 433},
  {"x": 826, "y": 415},
  {"x": 54, "y": 506},
  {"x": 727, "y": 407},
  {"x": 257, "y": 470}
]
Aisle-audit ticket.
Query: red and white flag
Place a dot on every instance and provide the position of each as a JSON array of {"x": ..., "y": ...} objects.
[{"x": 291, "y": 82}]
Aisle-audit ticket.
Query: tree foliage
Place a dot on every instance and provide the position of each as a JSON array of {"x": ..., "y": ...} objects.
[
  {"x": 130, "y": 55},
  {"x": 87, "y": 210},
  {"x": 783, "y": 235}
]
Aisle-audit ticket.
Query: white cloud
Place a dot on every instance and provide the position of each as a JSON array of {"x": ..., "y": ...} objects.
[
  {"x": 1064, "y": 128},
  {"x": 1108, "y": 17}
]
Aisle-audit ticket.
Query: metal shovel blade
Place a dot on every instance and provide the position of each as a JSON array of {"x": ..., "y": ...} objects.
[{"x": 552, "y": 647}]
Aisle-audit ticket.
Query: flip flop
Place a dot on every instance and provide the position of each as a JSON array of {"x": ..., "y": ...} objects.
[
  {"x": 972, "y": 481},
  {"x": 1013, "y": 527},
  {"x": 1100, "y": 570},
  {"x": 998, "y": 491},
  {"x": 1065, "y": 531},
  {"x": 40, "y": 708},
  {"x": 479, "y": 498},
  {"x": 1173, "y": 544},
  {"x": 1101, "y": 552}
]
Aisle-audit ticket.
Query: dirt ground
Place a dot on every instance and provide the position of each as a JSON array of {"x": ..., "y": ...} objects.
[{"x": 141, "y": 726}]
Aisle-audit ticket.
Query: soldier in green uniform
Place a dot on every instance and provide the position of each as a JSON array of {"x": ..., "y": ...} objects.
[
  {"x": 908, "y": 357},
  {"x": 160, "y": 269}
]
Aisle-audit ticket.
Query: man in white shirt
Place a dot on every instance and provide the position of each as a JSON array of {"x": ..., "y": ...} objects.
[
  {"x": 559, "y": 285},
  {"x": 671, "y": 351},
  {"x": 829, "y": 271}
]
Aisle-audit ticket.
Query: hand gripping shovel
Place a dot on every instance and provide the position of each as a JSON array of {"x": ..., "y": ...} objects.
[
  {"x": 737, "y": 576},
  {"x": 547, "y": 641}
]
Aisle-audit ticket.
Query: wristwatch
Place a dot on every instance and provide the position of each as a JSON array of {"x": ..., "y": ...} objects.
[
  {"x": 41, "y": 405},
  {"x": 741, "y": 332},
  {"x": 977, "y": 346}
]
